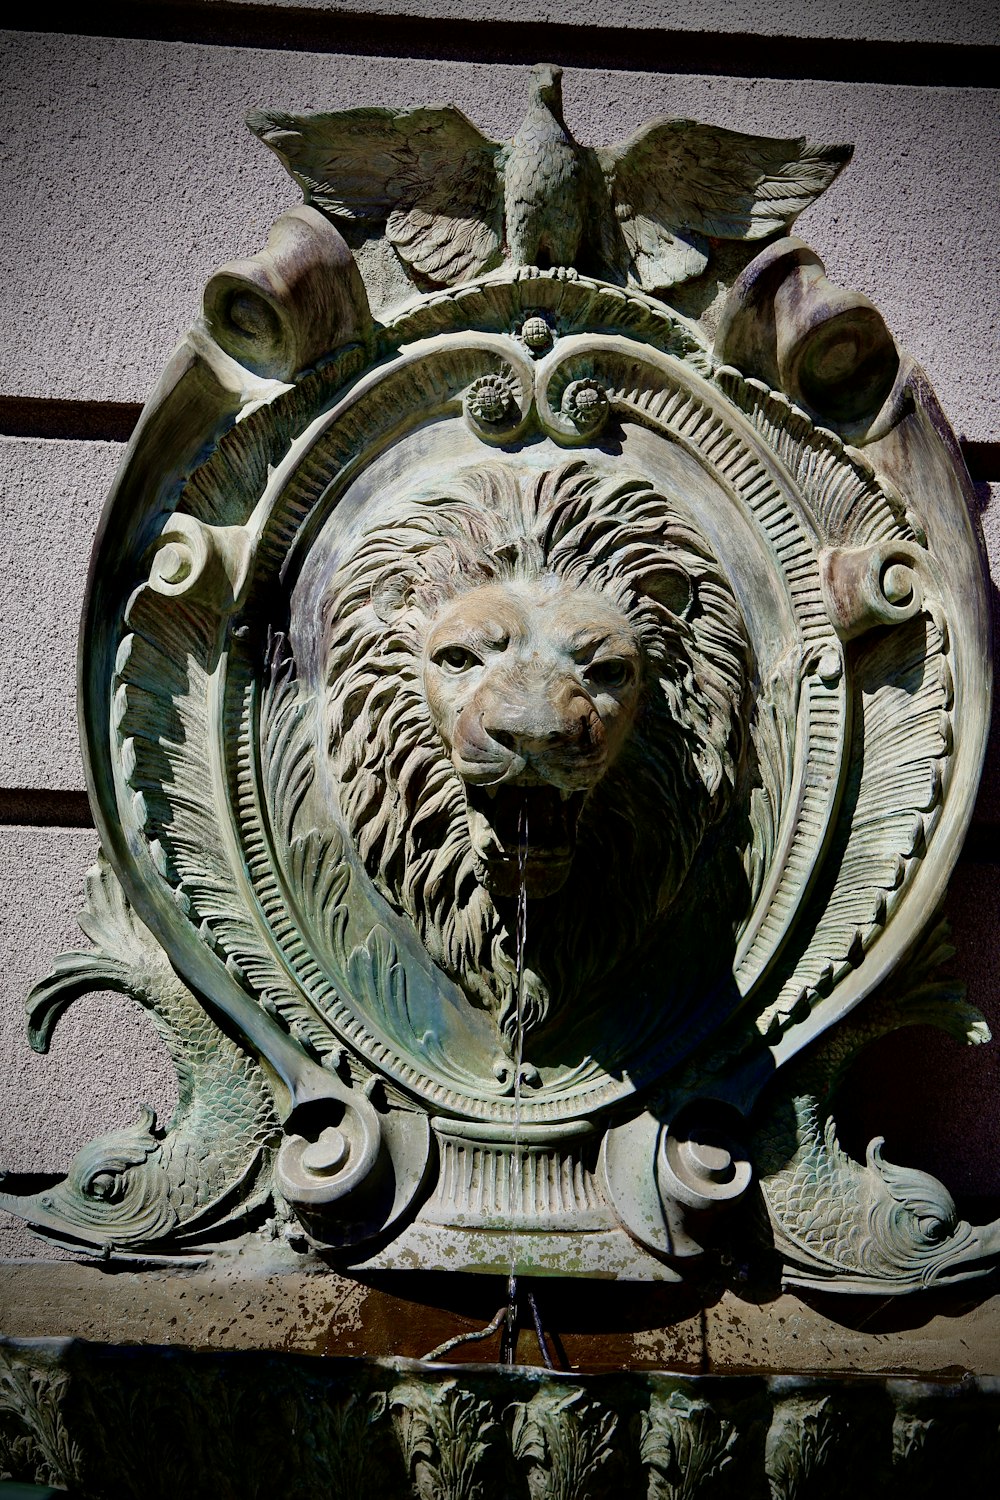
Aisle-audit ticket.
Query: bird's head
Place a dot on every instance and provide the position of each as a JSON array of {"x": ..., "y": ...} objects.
[{"x": 546, "y": 82}]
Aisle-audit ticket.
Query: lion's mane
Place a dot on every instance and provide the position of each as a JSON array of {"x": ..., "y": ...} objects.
[{"x": 400, "y": 797}]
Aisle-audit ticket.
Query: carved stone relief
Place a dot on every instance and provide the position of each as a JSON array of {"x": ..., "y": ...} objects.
[
  {"x": 149, "y": 1422},
  {"x": 530, "y": 731}
]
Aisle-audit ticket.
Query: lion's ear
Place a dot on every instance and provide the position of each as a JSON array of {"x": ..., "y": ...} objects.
[
  {"x": 390, "y": 596},
  {"x": 669, "y": 585}
]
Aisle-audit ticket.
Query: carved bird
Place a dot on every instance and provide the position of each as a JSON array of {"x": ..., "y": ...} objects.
[{"x": 455, "y": 204}]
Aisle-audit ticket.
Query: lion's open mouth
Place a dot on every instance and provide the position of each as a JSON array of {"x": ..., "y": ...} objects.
[{"x": 523, "y": 829}]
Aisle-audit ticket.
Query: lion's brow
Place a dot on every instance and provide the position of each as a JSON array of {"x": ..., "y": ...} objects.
[{"x": 586, "y": 639}]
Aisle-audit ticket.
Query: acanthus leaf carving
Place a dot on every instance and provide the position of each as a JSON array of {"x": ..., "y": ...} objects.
[
  {"x": 686, "y": 1444},
  {"x": 802, "y": 1449},
  {"x": 145, "y": 1419},
  {"x": 567, "y": 1445},
  {"x": 449, "y": 1439}
]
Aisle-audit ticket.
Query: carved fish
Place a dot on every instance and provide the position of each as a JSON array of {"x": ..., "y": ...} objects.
[
  {"x": 456, "y": 204},
  {"x": 143, "y": 1185}
]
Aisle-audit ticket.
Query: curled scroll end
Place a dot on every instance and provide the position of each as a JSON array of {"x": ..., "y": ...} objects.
[
  {"x": 574, "y": 409},
  {"x": 495, "y": 406},
  {"x": 192, "y": 556},
  {"x": 827, "y": 348},
  {"x": 671, "y": 1183},
  {"x": 298, "y": 299},
  {"x": 702, "y": 1165},
  {"x": 320, "y": 1166},
  {"x": 350, "y": 1181},
  {"x": 865, "y": 587}
]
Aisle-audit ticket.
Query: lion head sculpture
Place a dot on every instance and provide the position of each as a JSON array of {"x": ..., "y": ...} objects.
[{"x": 535, "y": 697}]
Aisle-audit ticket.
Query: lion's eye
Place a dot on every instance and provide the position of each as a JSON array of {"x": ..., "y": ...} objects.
[
  {"x": 613, "y": 672},
  {"x": 456, "y": 659}
]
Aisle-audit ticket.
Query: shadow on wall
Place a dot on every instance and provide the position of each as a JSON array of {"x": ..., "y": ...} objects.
[
  {"x": 988, "y": 804},
  {"x": 936, "y": 1101}
]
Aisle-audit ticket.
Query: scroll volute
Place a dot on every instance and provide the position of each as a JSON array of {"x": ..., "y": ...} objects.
[{"x": 826, "y": 348}]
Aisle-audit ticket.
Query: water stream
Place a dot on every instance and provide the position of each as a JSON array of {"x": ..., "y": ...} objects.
[{"x": 515, "y": 1177}]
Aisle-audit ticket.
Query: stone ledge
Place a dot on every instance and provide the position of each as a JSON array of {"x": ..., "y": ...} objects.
[{"x": 938, "y": 1335}]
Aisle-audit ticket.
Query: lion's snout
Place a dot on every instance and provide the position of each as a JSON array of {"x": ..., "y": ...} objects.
[
  {"x": 557, "y": 733},
  {"x": 529, "y": 754}
]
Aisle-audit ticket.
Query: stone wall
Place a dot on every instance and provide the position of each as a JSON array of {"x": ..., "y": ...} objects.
[{"x": 129, "y": 177}]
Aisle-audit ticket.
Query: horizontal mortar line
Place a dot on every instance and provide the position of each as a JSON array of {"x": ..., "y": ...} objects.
[
  {"x": 25, "y": 806},
  {"x": 42, "y": 417},
  {"x": 653, "y": 49},
  {"x": 113, "y": 421}
]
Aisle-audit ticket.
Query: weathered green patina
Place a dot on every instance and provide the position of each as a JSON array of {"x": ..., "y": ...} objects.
[{"x": 531, "y": 732}]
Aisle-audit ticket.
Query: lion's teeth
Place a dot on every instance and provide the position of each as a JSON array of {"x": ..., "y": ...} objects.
[
  {"x": 564, "y": 796},
  {"x": 484, "y": 841},
  {"x": 491, "y": 791}
]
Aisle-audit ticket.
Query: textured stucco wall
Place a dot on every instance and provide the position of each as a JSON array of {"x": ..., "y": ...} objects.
[
  {"x": 154, "y": 133},
  {"x": 128, "y": 177}
]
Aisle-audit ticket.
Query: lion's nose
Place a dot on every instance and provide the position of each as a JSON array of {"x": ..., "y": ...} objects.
[
  {"x": 529, "y": 728},
  {"x": 529, "y": 740}
]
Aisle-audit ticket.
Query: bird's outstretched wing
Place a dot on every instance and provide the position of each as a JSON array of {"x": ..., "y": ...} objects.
[
  {"x": 676, "y": 184},
  {"x": 428, "y": 174}
]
